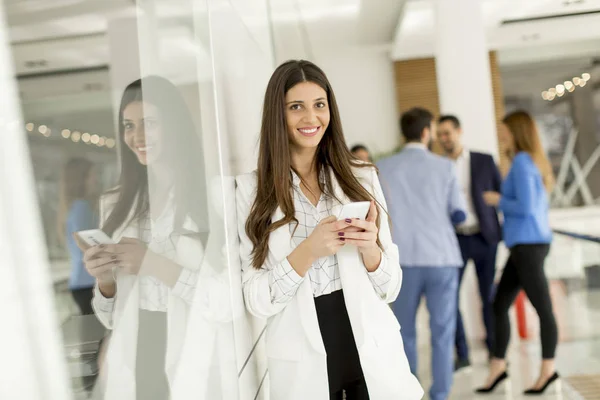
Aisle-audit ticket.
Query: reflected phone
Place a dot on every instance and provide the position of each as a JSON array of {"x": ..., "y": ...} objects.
[
  {"x": 91, "y": 238},
  {"x": 359, "y": 210}
]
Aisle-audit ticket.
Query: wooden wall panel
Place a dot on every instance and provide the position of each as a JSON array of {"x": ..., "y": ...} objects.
[{"x": 416, "y": 86}]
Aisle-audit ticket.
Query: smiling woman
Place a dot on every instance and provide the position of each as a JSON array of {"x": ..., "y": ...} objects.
[
  {"x": 299, "y": 261},
  {"x": 157, "y": 216}
]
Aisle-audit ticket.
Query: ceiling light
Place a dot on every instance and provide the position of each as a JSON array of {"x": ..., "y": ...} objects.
[
  {"x": 66, "y": 133},
  {"x": 86, "y": 137},
  {"x": 561, "y": 94},
  {"x": 110, "y": 143},
  {"x": 76, "y": 136},
  {"x": 560, "y": 88},
  {"x": 29, "y": 127},
  {"x": 47, "y": 132},
  {"x": 552, "y": 90},
  {"x": 576, "y": 80},
  {"x": 571, "y": 89},
  {"x": 568, "y": 85},
  {"x": 586, "y": 77},
  {"x": 582, "y": 83},
  {"x": 101, "y": 141},
  {"x": 551, "y": 96},
  {"x": 42, "y": 129},
  {"x": 545, "y": 95},
  {"x": 95, "y": 139}
]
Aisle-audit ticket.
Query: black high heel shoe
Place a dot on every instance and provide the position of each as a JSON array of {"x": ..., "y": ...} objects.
[
  {"x": 535, "y": 392},
  {"x": 491, "y": 388}
]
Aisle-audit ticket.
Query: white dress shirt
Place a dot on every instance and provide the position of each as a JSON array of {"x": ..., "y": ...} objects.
[
  {"x": 463, "y": 169},
  {"x": 324, "y": 275},
  {"x": 160, "y": 237}
]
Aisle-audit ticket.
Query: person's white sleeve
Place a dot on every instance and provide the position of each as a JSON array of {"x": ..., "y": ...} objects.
[
  {"x": 381, "y": 278},
  {"x": 388, "y": 281},
  {"x": 103, "y": 307},
  {"x": 268, "y": 289}
]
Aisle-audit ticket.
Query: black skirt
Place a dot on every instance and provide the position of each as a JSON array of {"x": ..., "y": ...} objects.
[
  {"x": 343, "y": 363},
  {"x": 150, "y": 376}
]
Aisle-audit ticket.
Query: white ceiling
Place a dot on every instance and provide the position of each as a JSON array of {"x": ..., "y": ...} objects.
[{"x": 415, "y": 35}]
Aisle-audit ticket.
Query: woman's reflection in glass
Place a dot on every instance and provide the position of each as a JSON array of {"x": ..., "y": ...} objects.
[{"x": 157, "y": 215}]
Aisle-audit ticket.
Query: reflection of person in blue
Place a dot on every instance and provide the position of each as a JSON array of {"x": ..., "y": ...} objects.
[
  {"x": 78, "y": 198},
  {"x": 425, "y": 203},
  {"x": 322, "y": 283},
  {"x": 146, "y": 283}
]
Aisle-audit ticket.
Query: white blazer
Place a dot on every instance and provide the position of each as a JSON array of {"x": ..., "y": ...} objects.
[
  {"x": 190, "y": 347},
  {"x": 294, "y": 346}
]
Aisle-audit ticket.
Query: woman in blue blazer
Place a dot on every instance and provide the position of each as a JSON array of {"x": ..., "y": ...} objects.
[{"x": 527, "y": 233}]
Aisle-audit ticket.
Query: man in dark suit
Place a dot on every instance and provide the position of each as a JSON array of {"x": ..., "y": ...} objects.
[{"x": 480, "y": 233}]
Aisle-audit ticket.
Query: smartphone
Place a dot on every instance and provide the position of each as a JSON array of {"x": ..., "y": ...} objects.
[
  {"x": 358, "y": 210},
  {"x": 92, "y": 237}
]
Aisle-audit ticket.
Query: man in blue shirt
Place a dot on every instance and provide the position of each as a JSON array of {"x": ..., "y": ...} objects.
[{"x": 425, "y": 203}]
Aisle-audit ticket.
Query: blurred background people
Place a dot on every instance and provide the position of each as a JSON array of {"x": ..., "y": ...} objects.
[
  {"x": 157, "y": 214},
  {"x": 361, "y": 152},
  {"x": 78, "y": 212},
  {"x": 527, "y": 233},
  {"x": 479, "y": 234},
  {"x": 425, "y": 203}
]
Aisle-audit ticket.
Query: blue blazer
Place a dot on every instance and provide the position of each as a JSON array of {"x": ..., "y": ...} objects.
[
  {"x": 525, "y": 204},
  {"x": 485, "y": 177},
  {"x": 424, "y": 202}
]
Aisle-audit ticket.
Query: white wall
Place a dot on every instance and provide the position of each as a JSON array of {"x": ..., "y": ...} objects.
[{"x": 364, "y": 84}]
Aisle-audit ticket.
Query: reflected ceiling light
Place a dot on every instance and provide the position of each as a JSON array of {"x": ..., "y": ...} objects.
[
  {"x": 101, "y": 141},
  {"x": 568, "y": 85},
  {"x": 76, "y": 136},
  {"x": 571, "y": 89},
  {"x": 110, "y": 143},
  {"x": 582, "y": 83},
  {"x": 551, "y": 96},
  {"x": 66, "y": 133},
  {"x": 586, "y": 77},
  {"x": 560, "y": 89},
  {"x": 576, "y": 80},
  {"x": 561, "y": 94},
  {"x": 552, "y": 90},
  {"x": 86, "y": 137},
  {"x": 95, "y": 139},
  {"x": 545, "y": 95},
  {"x": 29, "y": 127},
  {"x": 42, "y": 129},
  {"x": 48, "y": 132}
]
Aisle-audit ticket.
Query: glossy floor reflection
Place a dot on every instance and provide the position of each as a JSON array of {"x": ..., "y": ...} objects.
[{"x": 578, "y": 356}]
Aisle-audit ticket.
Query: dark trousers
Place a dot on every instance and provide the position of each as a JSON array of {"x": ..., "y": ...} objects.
[
  {"x": 483, "y": 254},
  {"x": 150, "y": 376},
  {"x": 525, "y": 269},
  {"x": 83, "y": 298},
  {"x": 344, "y": 371}
]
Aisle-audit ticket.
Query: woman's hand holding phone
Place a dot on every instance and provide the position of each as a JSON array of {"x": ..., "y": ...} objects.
[{"x": 363, "y": 234}]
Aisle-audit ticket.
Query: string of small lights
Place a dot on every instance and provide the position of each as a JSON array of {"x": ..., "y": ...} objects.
[
  {"x": 569, "y": 86},
  {"x": 74, "y": 136}
]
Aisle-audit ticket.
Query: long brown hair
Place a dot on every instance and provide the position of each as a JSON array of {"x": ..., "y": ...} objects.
[
  {"x": 184, "y": 153},
  {"x": 527, "y": 139},
  {"x": 274, "y": 186},
  {"x": 73, "y": 186}
]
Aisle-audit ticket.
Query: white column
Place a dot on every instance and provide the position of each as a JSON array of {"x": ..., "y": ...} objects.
[
  {"x": 463, "y": 71},
  {"x": 465, "y": 90}
]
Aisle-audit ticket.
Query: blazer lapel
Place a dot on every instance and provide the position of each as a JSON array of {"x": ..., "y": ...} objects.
[
  {"x": 281, "y": 245},
  {"x": 352, "y": 271}
]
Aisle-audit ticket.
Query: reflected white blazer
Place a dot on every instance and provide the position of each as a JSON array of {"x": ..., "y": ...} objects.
[
  {"x": 192, "y": 341},
  {"x": 295, "y": 351}
]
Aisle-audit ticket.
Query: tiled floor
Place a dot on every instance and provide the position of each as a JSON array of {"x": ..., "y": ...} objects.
[{"x": 578, "y": 354}]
